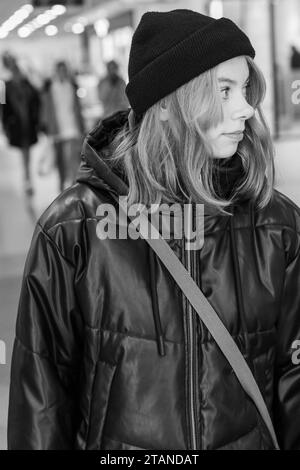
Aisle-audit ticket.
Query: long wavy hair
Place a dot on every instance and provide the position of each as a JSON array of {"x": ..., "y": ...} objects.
[{"x": 172, "y": 161}]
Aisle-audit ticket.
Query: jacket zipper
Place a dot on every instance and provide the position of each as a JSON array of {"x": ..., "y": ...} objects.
[{"x": 191, "y": 327}]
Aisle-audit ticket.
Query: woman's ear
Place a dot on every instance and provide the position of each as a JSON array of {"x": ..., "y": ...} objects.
[{"x": 164, "y": 112}]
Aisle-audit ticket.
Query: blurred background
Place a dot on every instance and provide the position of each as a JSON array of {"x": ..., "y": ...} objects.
[{"x": 66, "y": 61}]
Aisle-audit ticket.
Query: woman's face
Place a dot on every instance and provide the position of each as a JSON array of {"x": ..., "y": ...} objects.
[{"x": 232, "y": 76}]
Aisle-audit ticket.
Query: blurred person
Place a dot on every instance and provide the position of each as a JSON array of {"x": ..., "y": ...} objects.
[
  {"x": 294, "y": 58},
  {"x": 63, "y": 121},
  {"x": 109, "y": 354},
  {"x": 111, "y": 90},
  {"x": 21, "y": 115}
]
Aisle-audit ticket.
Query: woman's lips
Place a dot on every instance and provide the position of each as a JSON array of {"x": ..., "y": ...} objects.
[{"x": 235, "y": 136}]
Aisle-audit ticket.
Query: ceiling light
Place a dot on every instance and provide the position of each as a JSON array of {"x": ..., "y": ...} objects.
[
  {"x": 58, "y": 9},
  {"x": 50, "y": 14},
  {"x": 216, "y": 9},
  {"x": 24, "y": 31},
  {"x": 42, "y": 19},
  {"x": 3, "y": 33},
  {"x": 77, "y": 28},
  {"x": 20, "y": 15},
  {"x": 101, "y": 27},
  {"x": 16, "y": 19},
  {"x": 28, "y": 8},
  {"x": 51, "y": 30}
]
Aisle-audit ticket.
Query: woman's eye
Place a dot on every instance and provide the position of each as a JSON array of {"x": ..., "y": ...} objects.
[
  {"x": 225, "y": 95},
  {"x": 226, "y": 90}
]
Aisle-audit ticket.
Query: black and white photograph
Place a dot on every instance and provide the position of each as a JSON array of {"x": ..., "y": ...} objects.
[{"x": 149, "y": 227}]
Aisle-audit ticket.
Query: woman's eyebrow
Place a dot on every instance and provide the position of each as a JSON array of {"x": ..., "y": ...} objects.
[{"x": 229, "y": 80}]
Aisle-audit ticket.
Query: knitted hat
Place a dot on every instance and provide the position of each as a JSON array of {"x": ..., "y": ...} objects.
[{"x": 171, "y": 48}]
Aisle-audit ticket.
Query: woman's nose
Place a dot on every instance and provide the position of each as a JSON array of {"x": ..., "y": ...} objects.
[{"x": 243, "y": 110}]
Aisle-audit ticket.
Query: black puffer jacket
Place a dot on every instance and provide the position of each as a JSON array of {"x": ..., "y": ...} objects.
[{"x": 108, "y": 354}]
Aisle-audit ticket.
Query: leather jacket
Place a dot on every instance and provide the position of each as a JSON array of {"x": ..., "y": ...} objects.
[{"x": 109, "y": 354}]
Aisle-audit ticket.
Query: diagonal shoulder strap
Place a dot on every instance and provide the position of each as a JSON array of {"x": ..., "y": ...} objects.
[{"x": 207, "y": 314}]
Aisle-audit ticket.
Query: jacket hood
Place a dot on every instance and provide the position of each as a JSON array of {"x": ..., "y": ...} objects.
[
  {"x": 96, "y": 167},
  {"x": 98, "y": 170}
]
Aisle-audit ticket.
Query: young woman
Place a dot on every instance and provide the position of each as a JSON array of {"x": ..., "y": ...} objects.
[
  {"x": 63, "y": 122},
  {"x": 111, "y": 90},
  {"x": 108, "y": 352},
  {"x": 21, "y": 116}
]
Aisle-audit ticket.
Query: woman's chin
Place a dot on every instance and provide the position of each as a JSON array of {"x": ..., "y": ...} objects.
[
  {"x": 226, "y": 152},
  {"x": 223, "y": 155}
]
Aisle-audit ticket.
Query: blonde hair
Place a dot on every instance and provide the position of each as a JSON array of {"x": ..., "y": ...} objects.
[{"x": 171, "y": 161}]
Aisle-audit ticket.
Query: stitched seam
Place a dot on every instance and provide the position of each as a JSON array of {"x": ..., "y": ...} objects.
[
  {"x": 62, "y": 222},
  {"x": 77, "y": 219},
  {"x": 210, "y": 339},
  {"x": 107, "y": 404},
  {"x": 134, "y": 336},
  {"x": 42, "y": 356},
  {"x": 65, "y": 259},
  {"x": 55, "y": 245},
  {"x": 261, "y": 226},
  {"x": 95, "y": 370},
  {"x": 88, "y": 430}
]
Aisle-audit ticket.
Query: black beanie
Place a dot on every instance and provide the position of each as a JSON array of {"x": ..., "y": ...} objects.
[{"x": 171, "y": 48}]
